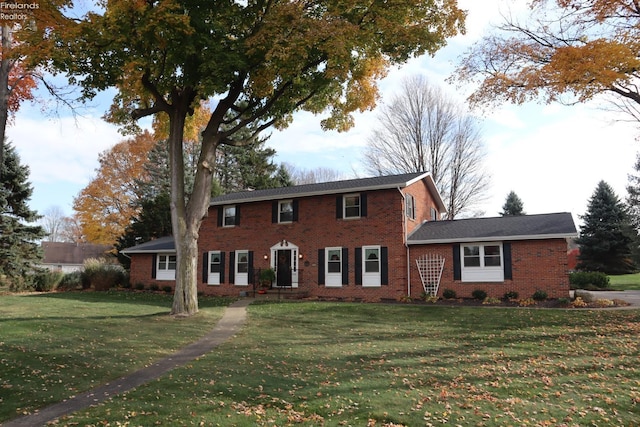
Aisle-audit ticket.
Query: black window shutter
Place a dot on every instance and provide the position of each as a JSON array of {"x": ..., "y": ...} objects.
[
  {"x": 384, "y": 265},
  {"x": 339, "y": 202},
  {"x": 221, "y": 267},
  {"x": 363, "y": 204},
  {"x": 250, "y": 270},
  {"x": 220, "y": 215},
  {"x": 154, "y": 265},
  {"x": 345, "y": 266},
  {"x": 358, "y": 266},
  {"x": 320, "y": 266},
  {"x": 274, "y": 212},
  {"x": 457, "y": 270},
  {"x": 506, "y": 254},
  {"x": 237, "y": 219},
  {"x": 205, "y": 267},
  {"x": 232, "y": 267},
  {"x": 295, "y": 210}
]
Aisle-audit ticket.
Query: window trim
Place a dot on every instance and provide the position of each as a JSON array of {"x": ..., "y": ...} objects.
[
  {"x": 163, "y": 262},
  {"x": 333, "y": 279},
  {"x": 345, "y": 207},
  {"x": 482, "y": 272},
  {"x": 214, "y": 278},
  {"x": 241, "y": 278},
  {"x": 371, "y": 279},
  {"x": 410, "y": 206},
  {"x": 280, "y": 211},
  {"x": 224, "y": 215}
]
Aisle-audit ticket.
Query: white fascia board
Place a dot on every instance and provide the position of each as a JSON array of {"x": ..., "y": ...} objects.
[{"x": 492, "y": 239}]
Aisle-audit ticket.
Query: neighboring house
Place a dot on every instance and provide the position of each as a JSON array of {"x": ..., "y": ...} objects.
[
  {"x": 68, "y": 257},
  {"x": 367, "y": 239}
]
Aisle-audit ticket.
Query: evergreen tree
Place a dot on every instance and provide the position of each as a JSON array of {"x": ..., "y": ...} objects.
[
  {"x": 512, "y": 206},
  {"x": 251, "y": 167},
  {"x": 606, "y": 235},
  {"x": 19, "y": 248},
  {"x": 154, "y": 221},
  {"x": 633, "y": 209}
]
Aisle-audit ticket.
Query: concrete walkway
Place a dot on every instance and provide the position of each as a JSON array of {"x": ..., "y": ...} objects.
[
  {"x": 632, "y": 297},
  {"x": 230, "y": 323}
]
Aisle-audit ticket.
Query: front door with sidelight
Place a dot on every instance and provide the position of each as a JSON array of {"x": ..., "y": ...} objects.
[{"x": 284, "y": 260}]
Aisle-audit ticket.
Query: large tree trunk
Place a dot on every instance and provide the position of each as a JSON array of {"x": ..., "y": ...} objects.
[
  {"x": 5, "y": 68},
  {"x": 185, "y": 233},
  {"x": 186, "y": 217}
]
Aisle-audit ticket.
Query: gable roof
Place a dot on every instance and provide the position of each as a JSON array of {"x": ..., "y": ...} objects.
[
  {"x": 521, "y": 227},
  {"x": 334, "y": 187},
  {"x": 71, "y": 253},
  {"x": 163, "y": 244}
]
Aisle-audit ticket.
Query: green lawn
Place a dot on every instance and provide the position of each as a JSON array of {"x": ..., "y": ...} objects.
[
  {"x": 335, "y": 364},
  {"x": 625, "y": 282}
]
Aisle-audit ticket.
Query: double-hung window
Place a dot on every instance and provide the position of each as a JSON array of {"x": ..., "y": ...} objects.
[
  {"x": 333, "y": 272},
  {"x": 166, "y": 267},
  {"x": 482, "y": 262},
  {"x": 229, "y": 216},
  {"x": 215, "y": 268},
  {"x": 242, "y": 268},
  {"x": 410, "y": 206},
  {"x": 371, "y": 266},
  {"x": 285, "y": 211},
  {"x": 352, "y": 206}
]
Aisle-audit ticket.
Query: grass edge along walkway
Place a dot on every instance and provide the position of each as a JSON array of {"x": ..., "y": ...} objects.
[{"x": 230, "y": 323}]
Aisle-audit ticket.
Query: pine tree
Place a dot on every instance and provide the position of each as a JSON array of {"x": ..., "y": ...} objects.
[
  {"x": 606, "y": 235},
  {"x": 512, "y": 206},
  {"x": 154, "y": 221},
  {"x": 633, "y": 208},
  {"x": 19, "y": 248}
]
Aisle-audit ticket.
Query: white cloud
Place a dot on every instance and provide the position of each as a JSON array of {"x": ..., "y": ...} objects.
[{"x": 62, "y": 150}]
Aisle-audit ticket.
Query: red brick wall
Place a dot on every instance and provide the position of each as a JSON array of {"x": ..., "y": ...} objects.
[
  {"x": 316, "y": 228},
  {"x": 536, "y": 265}
]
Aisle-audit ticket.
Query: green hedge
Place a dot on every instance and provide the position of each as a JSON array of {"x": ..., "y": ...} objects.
[{"x": 588, "y": 280}]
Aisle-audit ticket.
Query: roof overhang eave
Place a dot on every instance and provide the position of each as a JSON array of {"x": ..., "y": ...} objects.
[{"x": 493, "y": 239}]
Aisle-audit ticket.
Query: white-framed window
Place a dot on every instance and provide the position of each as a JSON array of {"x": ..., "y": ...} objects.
[
  {"x": 166, "y": 267},
  {"x": 410, "y": 206},
  {"x": 215, "y": 267},
  {"x": 285, "y": 211},
  {"x": 229, "y": 216},
  {"x": 242, "y": 268},
  {"x": 482, "y": 262},
  {"x": 333, "y": 266},
  {"x": 371, "y": 271},
  {"x": 351, "y": 206},
  {"x": 434, "y": 214}
]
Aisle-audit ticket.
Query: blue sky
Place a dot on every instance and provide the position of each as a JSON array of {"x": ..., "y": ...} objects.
[{"x": 552, "y": 156}]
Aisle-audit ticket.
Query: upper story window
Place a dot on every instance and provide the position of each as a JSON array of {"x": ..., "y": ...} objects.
[
  {"x": 230, "y": 216},
  {"x": 410, "y": 206},
  {"x": 352, "y": 206},
  {"x": 434, "y": 214},
  {"x": 285, "y": 211}
]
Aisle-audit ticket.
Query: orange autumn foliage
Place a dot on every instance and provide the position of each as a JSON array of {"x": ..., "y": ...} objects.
[{"x": 106, "y": 205}]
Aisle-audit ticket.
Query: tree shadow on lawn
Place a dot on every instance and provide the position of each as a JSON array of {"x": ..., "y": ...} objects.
[{"x": 163, "y": 300}]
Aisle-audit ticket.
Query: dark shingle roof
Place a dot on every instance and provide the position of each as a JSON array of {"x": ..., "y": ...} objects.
[
  {"x": 163, "y": 244},
  {"x": 335, "y": 187},
  {"x": 523, "y": 227},
  {"x": 72, "y": 253}
]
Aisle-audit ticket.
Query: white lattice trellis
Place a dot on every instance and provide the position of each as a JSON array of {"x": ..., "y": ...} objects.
[{"x": 430, "y": 267}]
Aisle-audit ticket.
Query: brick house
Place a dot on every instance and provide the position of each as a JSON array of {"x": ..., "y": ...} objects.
[{"x": 367, "y": 239}]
